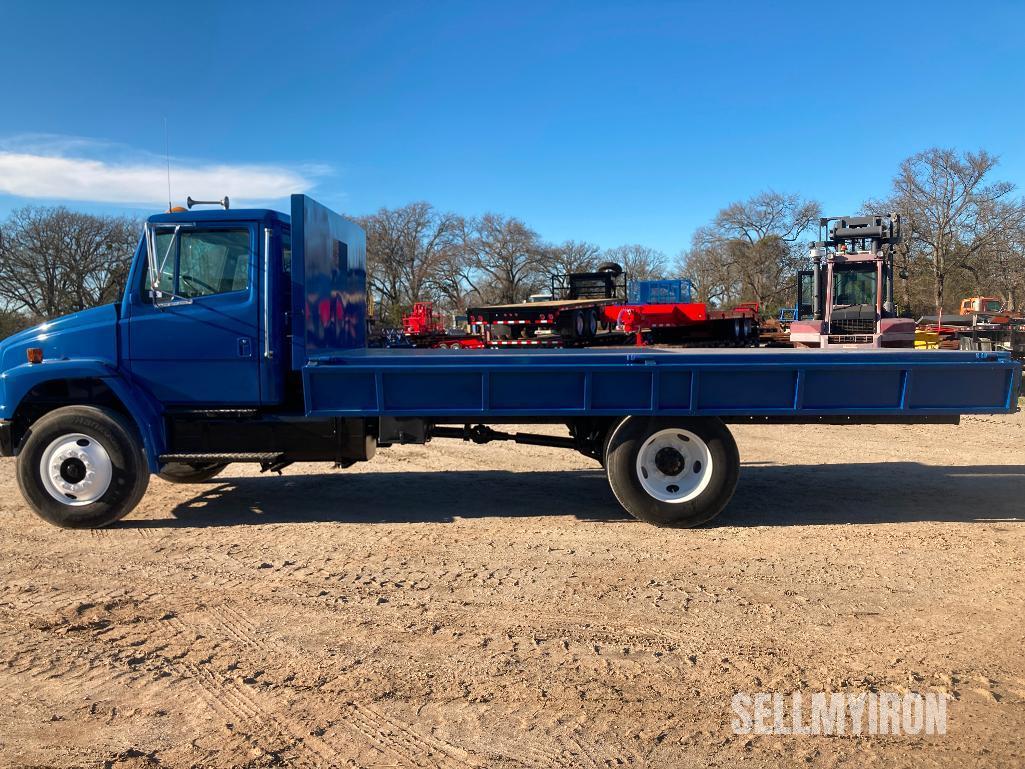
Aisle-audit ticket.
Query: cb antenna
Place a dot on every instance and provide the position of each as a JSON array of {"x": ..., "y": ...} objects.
[{"x": 167, "y": 157}]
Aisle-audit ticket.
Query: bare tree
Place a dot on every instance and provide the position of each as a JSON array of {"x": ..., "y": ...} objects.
[
  {"x": 453, "y": 280},
  {"x": 406, "y": 248},
  {"x": 639, "y": 262},
  {"x": 54, "y": 261},
  {"x": 570, "y": 256},
  {"x": 751, "y": 251},
  {"x": 504, "y": 257},
  {"x": 945, "y": 196},
  {"x": 713, "y": 278},
  {"x": 1001, "y": 265}
]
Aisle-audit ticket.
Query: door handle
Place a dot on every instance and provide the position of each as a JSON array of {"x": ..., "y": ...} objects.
[
  {"x": 245, "y": 347},
  {"x": 268, "y": 353}
]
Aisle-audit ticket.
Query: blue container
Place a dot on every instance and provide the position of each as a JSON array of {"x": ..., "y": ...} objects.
[{"x": 659, "y": 291}]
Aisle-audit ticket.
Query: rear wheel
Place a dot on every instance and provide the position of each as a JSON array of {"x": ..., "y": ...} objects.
[
  {"x": 672, "y": 471},
  {"x": 179, "y": 472},
  {"x": 576, "y": 325},
  {"x": 82, "y": 467}
]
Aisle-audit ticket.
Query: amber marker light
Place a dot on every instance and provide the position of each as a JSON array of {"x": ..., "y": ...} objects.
[{"x": 34, "y": 354}]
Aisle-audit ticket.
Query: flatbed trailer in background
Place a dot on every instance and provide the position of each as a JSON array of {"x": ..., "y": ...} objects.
[
  {"x": 252, "y": 358},
  {"x": 554, "y": 323},
  {"x": 686, "y": 324},
  {"x": 603, "y": 308},
  {"x": 572, "y": 316}
]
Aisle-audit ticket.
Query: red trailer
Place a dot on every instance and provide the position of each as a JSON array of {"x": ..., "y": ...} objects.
[
  {"x": 596, "y": 308},
  {"x": 686, "y": 323},
  {"x": 422, "y": 328}
]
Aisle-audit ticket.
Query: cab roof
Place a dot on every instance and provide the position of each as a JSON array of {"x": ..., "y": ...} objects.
[{"x": 264, "y": 215}]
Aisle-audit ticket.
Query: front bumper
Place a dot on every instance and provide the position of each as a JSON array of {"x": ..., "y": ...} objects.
[{"x": 6, "y": 439}]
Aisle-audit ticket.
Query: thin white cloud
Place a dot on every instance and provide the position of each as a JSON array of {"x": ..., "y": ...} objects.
[{"x": 59, "y": 168}]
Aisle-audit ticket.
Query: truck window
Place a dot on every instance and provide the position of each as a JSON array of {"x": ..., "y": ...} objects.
[
  {"x": 206, "y": 262},
  {"x": 213, "y": 262}
]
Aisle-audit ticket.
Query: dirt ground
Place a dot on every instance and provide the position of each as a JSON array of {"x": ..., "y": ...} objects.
[{"x": 460, "y": 606}]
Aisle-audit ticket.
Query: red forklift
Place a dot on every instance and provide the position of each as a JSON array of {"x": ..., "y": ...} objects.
[
  {"x": 423, "y": 328},
  {"x": 846, "y": 300}
]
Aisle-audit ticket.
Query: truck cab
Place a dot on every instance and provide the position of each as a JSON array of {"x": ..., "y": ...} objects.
[
  {"x": 987, "y": 309},
  {"x": 205, "y": 316},
  {"x": 198, "y": 360}
]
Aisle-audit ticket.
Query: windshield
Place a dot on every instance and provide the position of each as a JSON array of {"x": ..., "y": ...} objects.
[{"x": 852, "y": 287}]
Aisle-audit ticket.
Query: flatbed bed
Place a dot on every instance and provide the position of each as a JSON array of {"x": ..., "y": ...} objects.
[{"x": 658, "y": 382}]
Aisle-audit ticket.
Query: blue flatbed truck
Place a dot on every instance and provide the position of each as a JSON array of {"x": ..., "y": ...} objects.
[{"x": 241, "y": 337}]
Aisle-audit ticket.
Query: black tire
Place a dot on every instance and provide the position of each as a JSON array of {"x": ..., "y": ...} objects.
[
  {"x": 179, "y": 472},
  {"x": 129, "y": 474},
  {"x": 613, "y": 267},
  {"x": 577, "y": 326},
  {"x": 590, "y": 324},
  {"x": 718, "y": 476}
]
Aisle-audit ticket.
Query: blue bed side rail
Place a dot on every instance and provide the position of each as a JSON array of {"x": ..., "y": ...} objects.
[{"x": 805, "y": 385}]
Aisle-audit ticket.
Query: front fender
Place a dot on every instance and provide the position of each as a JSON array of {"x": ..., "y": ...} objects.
[{"x": 16, "y": 382}]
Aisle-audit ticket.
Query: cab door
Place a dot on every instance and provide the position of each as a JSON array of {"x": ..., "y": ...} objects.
[{"x": 194, "y": 337}]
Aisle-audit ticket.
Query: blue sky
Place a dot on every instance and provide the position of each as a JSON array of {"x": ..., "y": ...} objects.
[{"x": 609, "y": 122}]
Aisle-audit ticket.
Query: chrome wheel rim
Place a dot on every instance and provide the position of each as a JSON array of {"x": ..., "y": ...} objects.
[
  {"x": 75, "y": 469},
  {"x": 674, "y": 466}
]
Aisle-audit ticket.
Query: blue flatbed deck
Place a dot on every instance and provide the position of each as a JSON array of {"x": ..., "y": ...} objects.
[{"x": 481, "y": 384}]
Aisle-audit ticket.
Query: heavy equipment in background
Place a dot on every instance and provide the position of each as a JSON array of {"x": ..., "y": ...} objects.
[
  {"x": 989, "y": 325},
  {"x": 425, "y": 328},
  {"x": 604, "y": 307},
  {"x": 979, "y": 317},
  {"x": 846, "y": 299},
  {"x": 988, "y": 309}
]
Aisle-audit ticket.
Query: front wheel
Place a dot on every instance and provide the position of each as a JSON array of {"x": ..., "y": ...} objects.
[
  {"x": 672, "y": 471},
  {"x": 82, "y": 467}
]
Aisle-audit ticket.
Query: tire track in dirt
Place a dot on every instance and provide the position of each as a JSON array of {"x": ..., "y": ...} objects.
[
  {"x": 385, "y": 733},
  {"x": 72, "y": 660},
  {"x": 240, "y": 703}
]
